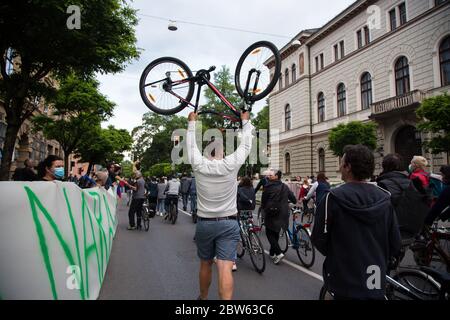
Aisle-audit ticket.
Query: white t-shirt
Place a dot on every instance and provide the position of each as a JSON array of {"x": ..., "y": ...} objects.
[{"x": 216, "y": 180}]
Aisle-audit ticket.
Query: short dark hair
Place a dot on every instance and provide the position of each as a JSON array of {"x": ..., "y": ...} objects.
[
  {"x": 361, "y": 160},
  {"x": 246, "y": 182},
  {"x": 279, "y": 174},
  {"x": 322, "y": 177},
  {"x": 392, "y": 162},
  {"x": 47, "y": 163}
]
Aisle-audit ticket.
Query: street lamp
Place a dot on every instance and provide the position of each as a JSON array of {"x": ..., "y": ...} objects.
[{"x": 172, "y": 26}]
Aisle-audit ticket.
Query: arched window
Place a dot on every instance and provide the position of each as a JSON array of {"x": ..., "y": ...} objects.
[
  {"x": 366, "y": 91},
  {"x": 402, "y": 83},
  {"x": 444, "y": 57},
  {"x": 321, "y": 160},
  {"x": 294, "y": 73},
  {"x": 341, "y": 100},
  {"x": 301, "y": 63},
  {"x": 287, "y": 117},
  {"x": 287, "y": 163},
  {"x": 286, "y": 77},
  {"x": 321, "y": 107},
  {"x": 281, "y": 81}
]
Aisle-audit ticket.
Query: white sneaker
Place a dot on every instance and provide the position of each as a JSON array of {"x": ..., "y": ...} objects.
[
  {"x": 234, "y": 267},
  {"x": 278, "y": 258}
]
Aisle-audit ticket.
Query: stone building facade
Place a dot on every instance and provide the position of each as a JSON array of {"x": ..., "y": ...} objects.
[{"x": 375, "y": 61}]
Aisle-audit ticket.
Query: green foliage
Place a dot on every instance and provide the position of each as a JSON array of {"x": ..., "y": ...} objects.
[
  {"x": 127, "y": 168},
  {"x": 78, "y": 108},
  {"x": 435, "y": 118},
  {"x": 36, "y": 34},
  {"x": 159, "y": 170},
  {"x": 353, "y": 133},
  {"x": 262, "y": 119}
]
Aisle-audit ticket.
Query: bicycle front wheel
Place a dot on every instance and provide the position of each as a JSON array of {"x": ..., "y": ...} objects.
[
  {"x": 305, "y": 251},
  {"x": 253, "y": 78},
  {"x": 283, "y": 241},
  {"x": 146, "y": 220},
  {"x": 256, "y": 251},
  {"x": 166, "y": 86},
  {"x": 419, "y": 283}
]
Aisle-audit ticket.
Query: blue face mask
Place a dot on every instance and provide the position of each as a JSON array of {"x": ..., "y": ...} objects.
[{"x": 59, "y": 173}]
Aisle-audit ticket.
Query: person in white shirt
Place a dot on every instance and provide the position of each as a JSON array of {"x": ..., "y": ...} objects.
[
  {"x": 172, "y": 191},
  {"x": 217, "y": 229}
]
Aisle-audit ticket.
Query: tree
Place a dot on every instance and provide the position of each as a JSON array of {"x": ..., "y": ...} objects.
[
  {"x": 155, "y": 135},
  {"x": 35, "y": 38},
  {"x": 435, "y": 115},
  {"x": 104, "y": 146},
  {"x": 262, "y": 119},
  {"x": 127, "y": 168},
  {"x": 78, "y": 108},
  {"x": 353, "y": 133}
]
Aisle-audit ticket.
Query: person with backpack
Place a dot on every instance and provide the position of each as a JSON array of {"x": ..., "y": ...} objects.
[
  {"x": 441, "y": 208},
  {"x": 409, "y": 204},
  {"x": 356, "y": 230},
  {"x": 275, "y": 203}
]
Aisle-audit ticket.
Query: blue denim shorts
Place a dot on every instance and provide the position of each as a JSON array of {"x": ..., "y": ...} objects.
[{"x": 217, "y": 239}]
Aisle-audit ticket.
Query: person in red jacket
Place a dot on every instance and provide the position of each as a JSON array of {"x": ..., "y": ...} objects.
[{"x": 419, "y": 176}]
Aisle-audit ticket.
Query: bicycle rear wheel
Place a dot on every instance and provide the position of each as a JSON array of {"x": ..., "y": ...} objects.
[
  {"x": 305, "y": 251},
  {"x": 419, "y": 283},
  {"x": 165, "y": 86},
  {"x": 256, "y": 251},
  {"x": 174, "y": 214},
  {"x": 283, "y": 241},
  {"x": 253, "y": 79}
]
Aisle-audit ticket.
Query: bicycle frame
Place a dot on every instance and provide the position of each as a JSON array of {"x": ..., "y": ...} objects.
[{"x": 201, "y": 79}]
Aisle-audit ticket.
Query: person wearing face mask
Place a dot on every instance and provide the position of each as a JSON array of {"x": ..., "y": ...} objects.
[{"x": 51, "y": 169}]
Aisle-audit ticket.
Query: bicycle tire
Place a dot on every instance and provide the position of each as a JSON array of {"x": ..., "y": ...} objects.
[
  {"x": 157, "y": 92},
  {"x": 325, "y": 294},
  {"x": 238, "y": 77},
  {"x": 412, "y": 279},
  {"x": 256, "y": 248},
  {"x": 283, "y": 241},
  {"x": 241, "y": 246},
  {"x": 174, "y": 214},
  {"x": 305, "y": 246},
  {"x": 146, "y": 220}
]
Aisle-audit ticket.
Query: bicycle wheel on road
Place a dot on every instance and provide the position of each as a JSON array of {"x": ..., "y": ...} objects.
[
  {"x": 146, "y": 219},
  {"x": 165, "y": 87},
  {"x": 419, "y": 282},
  {"x": 253, "y": 78},
  {"x": 305, "y": 251},
  {"x": 283, "y": 241},
  {"x": 256, "y": 252},
  {"x": 174, "y": 214},
  {"x": 241, "y": 246}
]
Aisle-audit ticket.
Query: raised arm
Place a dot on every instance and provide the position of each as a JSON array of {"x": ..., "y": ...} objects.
[{"x": 237, "y": 159}]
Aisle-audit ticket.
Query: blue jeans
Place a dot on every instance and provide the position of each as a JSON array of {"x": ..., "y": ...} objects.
[
  {"x": 161, "y": 208},
  {"x": 193, "y": 202}
]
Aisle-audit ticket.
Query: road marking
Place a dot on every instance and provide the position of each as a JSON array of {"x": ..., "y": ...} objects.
[
  {"x": 289, "y": 263},
  {"x": 299, "y": 268}
]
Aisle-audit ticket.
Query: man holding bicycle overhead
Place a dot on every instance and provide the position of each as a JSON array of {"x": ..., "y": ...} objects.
[{"x": 217, "y": 229}]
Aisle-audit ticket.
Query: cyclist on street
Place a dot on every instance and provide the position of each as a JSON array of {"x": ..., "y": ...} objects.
[{"x": 172, "y": 192}]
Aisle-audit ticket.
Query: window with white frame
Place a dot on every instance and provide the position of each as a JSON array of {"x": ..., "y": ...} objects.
[
  {"x": 341, "y": 100},
  {"x": 321, "y": 107},
  {"x": 287, "y": 117},
  {"x": 444, "y": 58},
  {"x": 366, "y": 91},
  {"x": 294, "y": 73}
]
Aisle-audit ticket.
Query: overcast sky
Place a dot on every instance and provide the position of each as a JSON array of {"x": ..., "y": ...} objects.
[{"x": 200, "y": 46}]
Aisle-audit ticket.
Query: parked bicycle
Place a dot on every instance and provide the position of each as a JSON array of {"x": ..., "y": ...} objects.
[
  {"x": 250, "y": 241},
  {"x": 298, "y": 237},
  {"x": 167, "y": 84}
]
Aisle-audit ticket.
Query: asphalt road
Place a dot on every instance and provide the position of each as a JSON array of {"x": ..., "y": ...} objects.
[{"x": 162, "y": 264}]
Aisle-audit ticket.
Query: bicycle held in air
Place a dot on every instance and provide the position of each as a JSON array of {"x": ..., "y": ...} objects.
[
  {"x": 298, "y": 237},
  {"x": 167, "y": 84}
]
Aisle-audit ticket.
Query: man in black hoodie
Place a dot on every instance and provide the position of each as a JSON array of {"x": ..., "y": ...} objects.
[{"x": 356, "y": 229}]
